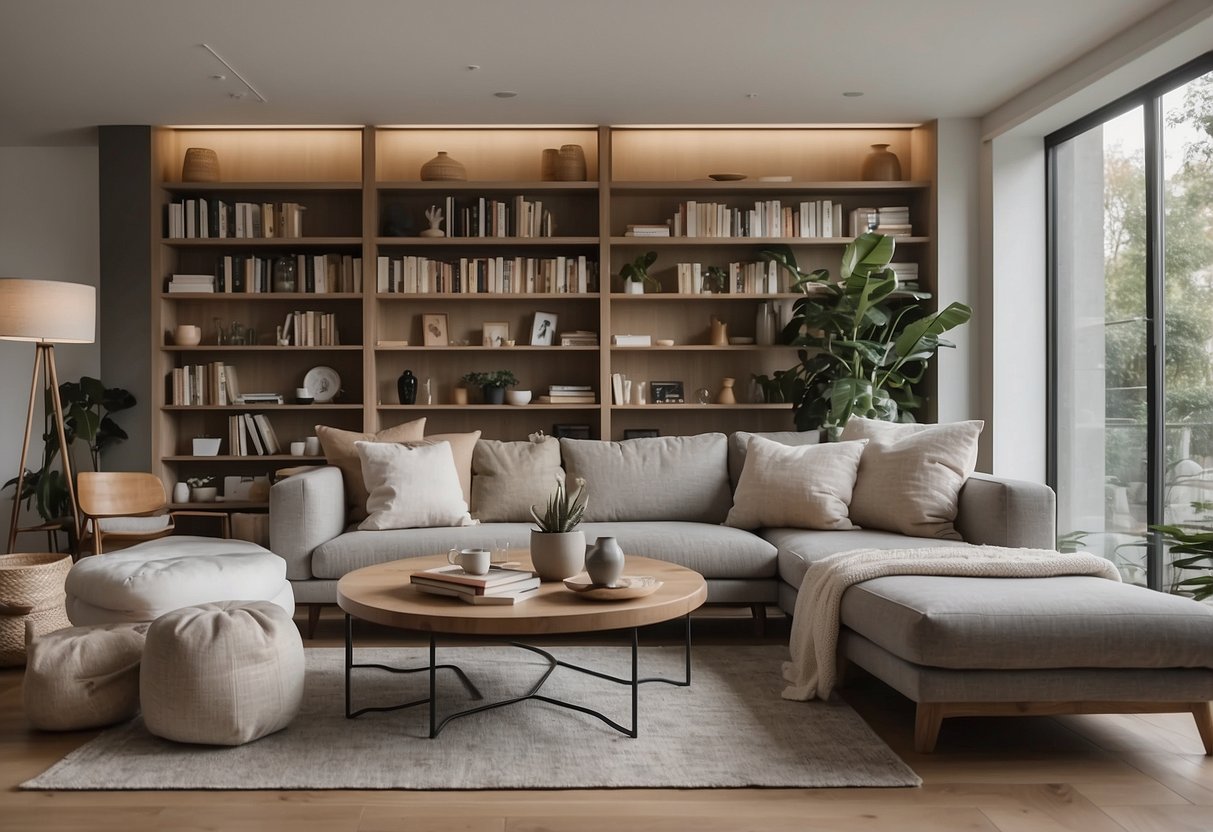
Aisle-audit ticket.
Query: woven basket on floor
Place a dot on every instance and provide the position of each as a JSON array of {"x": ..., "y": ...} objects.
[{"x": 31, "y": 589}]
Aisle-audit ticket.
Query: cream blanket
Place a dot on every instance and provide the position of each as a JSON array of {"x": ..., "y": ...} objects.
[{"x": 814, "y": 638}]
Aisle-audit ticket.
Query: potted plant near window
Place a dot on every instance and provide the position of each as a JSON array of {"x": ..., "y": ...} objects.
[
  {"x": 636, "y": 274},
  {"x": 557, "y": 546},
  {"x": 492, "y": 384}
]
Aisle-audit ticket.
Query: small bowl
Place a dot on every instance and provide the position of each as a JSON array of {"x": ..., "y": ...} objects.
[
  {"x": 187, "y": 335},
  {"x": 518, "y": 397},
  {"x": 304, "y": 399},
  {"x": 664, "y": 342}
]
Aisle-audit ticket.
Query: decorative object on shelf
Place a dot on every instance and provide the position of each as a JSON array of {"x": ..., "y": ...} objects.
[
  {"x": 303, "y": 396},
  {"x": 557, "y": 546},
  {"x": 636, "y": 274},
  {"x": 311, "y": 446},
  {"x": 640, "y": 394},
  {"x": 203, "y": 489},
  {"x": 726, "y": 395},
  {"x": 543, "y": 329},
  {"x": 323, "y": 383},
  {"x": 664, "y": 342},
  {"x": 780, "y": 387},
  {"x": 703, "y": 395},
  {"x": 718, "y": 333},
  {"x": 518, "y": 397},
  {"x": 442, "y": 168},
  {"x": 433, "y": 215},
  {"x": 865, "y": 355},
  {"x": 206, "y": 445},
  {"x": 201, "y": 165},
  {"x": 427, "y": 392},
  {"x": 547, "y": 164},
  {"x": 666, "y": 392},
  {"x": 187, "y": 335},
  {"x": 570, "y": 164},
  {"x": 880, "y": 165},
  {"x": 604, "y": 562},
  {"x": 459, "y": 395},
  {"x": 626, "y": 588},
  {"x": 640, "y": 433},
  {"x": 727, "y": 177},
  {"x": 236, "y": 335},
  {"x": 715, "y": 279},
  {"x": 284, "y": 274},
  {"x": 492, "y": 384},
  {"x": 298, "y": 448},
  {"x": 406, "y": 388},
  {"x": 433, "y": 330},
  {"x": 764, "y": 324},
  {"x": 181, "y": 492},
  {"x": 494, "y": 333}
]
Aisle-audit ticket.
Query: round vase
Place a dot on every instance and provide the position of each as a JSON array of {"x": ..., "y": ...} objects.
[
  {"x": 181, "y": 492},
  {"x": 493, "y": 395},
  {"x": 726, "y": 394},
  {"x": 187, "y": 335},
  {"x": 880, "y": 165},
  {"x": 604, "y": 561},
  {"x": 201, "y": 165},
  {"x": 442, "y": 168},
  {"x": 570, "y": 164},
  {"x": 284, "y": 275},
  {"x": 406, "y": 387},
  {"x": 557, "y": 555}
]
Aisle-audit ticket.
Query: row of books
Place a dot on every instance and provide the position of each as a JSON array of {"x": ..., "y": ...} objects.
[
  {"x": 578, "y": 338},
  {"x": 768, "y": 218},
  {"x": 483, "y": 217},
  {"x": 892, "y": 221},
  {"x": 309, "y": 329},
  {"x": 251, "y": 434},
  {"x": 501, "y": 586},
  {"x": 413, "y": 274},
  {"x": 737, "y": 279},
  {"x": 203, "y": 384},
  {"x": 317, "y": 274},
  {"x": 568, "y": 394},
  {"x": 201, "y": 217}
]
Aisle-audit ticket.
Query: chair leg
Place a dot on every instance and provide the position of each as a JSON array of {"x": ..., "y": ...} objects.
[
  {"x": 313, "y": 618},
  {"x": 759, "y": 611},
  {"x": 1202, "y": 712},
  {"x": 927, "y": 720}
]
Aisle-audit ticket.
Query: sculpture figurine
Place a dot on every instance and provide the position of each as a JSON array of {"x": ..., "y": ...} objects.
[{"x": 434, "y": 215}]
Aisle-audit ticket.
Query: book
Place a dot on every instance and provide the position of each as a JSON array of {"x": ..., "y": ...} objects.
[
  {"x": 503, "y": 599},
  {"x": 448, "y": 588},
  {"x": 496, "y": 576},
  {"x": 566, "y": 400},
  {"x": 632, "y": 340}
]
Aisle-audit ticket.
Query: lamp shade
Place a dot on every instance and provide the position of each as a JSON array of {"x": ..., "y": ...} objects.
[{"x": 47, "y": 310}]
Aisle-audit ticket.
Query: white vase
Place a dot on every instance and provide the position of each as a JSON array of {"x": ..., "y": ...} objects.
[
  {"x": 557, "y": 555},
  {"x": 181, "y": 492},
  {"x": 633, "y": 287},
  {"x": 764, "y": 325},
  {"x": 604, "y": 562}
]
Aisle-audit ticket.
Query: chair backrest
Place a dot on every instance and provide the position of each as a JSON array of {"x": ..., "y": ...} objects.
[{"x": 119, "y": 493}]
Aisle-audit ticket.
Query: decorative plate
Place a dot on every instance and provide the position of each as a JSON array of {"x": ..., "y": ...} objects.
[
  {"x": 727, "y": 177},
  {"x": 323, "y": 383},
  {"x": 629, "y": 587}
]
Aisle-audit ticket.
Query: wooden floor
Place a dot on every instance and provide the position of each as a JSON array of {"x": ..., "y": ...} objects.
[{"x": 1088, "y": 773}]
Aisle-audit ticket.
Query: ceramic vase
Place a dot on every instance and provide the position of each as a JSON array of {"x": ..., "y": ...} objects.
[
  {"x": 442, "y": 168},
  {"x": 406, "y": 387},
  {"x": 764, "y": 325},
  {"x": 726, "y": 395},
  {"x": 557, "y": 555},
  {"x": 181, "y": 492},
  {"x": 719, "y": 332},
  {"x": 880, "y": 165},
  {"x": 604, "y": 562}
]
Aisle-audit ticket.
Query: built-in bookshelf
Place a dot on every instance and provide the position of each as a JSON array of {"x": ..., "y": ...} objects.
[{"x": 319, "y": 231}]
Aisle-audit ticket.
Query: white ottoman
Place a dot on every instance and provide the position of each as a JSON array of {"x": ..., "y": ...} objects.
[
  {"x": 221, "y": 674},
  {"x": 145, "y": 581}
]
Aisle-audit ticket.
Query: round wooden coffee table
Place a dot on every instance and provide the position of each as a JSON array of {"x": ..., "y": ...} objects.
[{"x": 382, "y": 594}]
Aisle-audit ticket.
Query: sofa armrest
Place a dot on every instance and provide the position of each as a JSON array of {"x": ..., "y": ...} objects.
[
  {"x": 1002, "y": 512},
  {"x": 305, "y": 510}
]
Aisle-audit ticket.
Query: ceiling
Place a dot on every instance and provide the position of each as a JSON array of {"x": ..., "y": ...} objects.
[{"x": 69, "y": 65}]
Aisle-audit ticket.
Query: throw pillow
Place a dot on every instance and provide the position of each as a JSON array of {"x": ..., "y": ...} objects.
[
  {"x": 910, "y": 475},
  {"x": 799, "y": 487},
  {"x": 740, "y": 441},
  {"x": 411, "y": 486},
  {"x": 510, "y": 477},
  {"x": 338, "y": 447},
  {"x": 462, "y": 447}
]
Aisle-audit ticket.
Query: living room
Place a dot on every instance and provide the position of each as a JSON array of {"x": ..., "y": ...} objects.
[{"x": 618, "y": 117}]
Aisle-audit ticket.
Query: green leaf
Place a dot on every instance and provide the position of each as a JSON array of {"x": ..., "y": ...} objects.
[
  {"x": 866, "y": 253},
  {"x": 953, "y": 316}
]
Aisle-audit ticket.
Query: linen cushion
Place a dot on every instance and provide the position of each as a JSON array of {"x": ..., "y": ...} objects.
[
  {"x": 463, "y": 446},
  {"x": 510, "y": 477},
  {"x": 659, "y": 478},
  {"x": 83, "y": 677},
  {"x": 910, "y": 475},
  {"x": 739, "y": 444},
  {"x": 413, "y": 485},
  {"x": 338, "y": 447},
  {"x": 221, "y": 674},
  {"x": 805, "y": 487},
  {"x": 712, "y": 551}
]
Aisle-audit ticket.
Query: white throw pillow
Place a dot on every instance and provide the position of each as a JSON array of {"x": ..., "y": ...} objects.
[
  {"x": 910, "y": 475},
  {"x": 411, "y": 487},
  {"x": 799, "y": 487}
]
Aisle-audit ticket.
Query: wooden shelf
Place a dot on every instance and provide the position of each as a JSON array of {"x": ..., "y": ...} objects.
[
  {"x": 259, "y": 348},
  {"x": 481, "y": 242},
  {"x": 218, "y": 506},
  {"x": 262, "y": 296},
  {"x": 512, "y": 407},
  {"x": 235, "y": 408},
  {"x": 703, "y": 296},
  {"x": 709, "y": 348},
  {"x": 522, "y": 188},
  {"x": 661, "y": 242},
  {"x": 487, "y": 296},
  {"x": 649, "y": 408},
  {"x": 237, "y": 187},
  {"x": 755, "y": 186},
  {"x": 250, "y": 458},
  {"x": 478, "y": 348},
  {"x": 259, "y": 242}
]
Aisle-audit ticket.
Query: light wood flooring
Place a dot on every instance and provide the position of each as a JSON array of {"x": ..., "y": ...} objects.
[{"x": 1088, "y": 773}]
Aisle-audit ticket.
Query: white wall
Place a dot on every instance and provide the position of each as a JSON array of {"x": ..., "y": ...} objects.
[{"x": 49, "y": 231}]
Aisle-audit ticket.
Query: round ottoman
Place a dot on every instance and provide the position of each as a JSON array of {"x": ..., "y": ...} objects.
[
  {"x": 145, "y": 581},
  {"x": 221, "y": 674},
  {"x": 83, "y": 677}
]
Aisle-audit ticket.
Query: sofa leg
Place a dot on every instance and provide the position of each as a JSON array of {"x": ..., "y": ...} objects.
[
  {"x": 927, "y": 719},
  {"x": 759, "y": 611},
  {"x": 313, "y": 618},
  {"x": 1203, "y": 713}
]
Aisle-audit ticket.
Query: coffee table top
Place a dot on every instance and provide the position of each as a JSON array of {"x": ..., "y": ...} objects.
[{"x": 382, "y": 594}]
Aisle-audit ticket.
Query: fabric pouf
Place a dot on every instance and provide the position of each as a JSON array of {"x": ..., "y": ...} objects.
[
  {"x": 83, "y": 677},
  {"x": 221, "y": 674},
  {"x": 146, "y": 581}
]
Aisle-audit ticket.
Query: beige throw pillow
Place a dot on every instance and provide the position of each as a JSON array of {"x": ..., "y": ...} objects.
[
  {"x": 799, "y": 487},
  {"x": 411, "y": 486},
  {"x": 338, "y": 447},
  {"x": 463, "y": 445},
  {"x": 910, "y": 475},
  {"x": 510, "y": 477}
]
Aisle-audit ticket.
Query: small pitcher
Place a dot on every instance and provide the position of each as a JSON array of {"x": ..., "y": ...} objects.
[{"x": 604, "y": 561}]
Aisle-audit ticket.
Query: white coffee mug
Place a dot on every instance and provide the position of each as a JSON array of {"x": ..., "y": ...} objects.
[
  {"x": 473, "y": 561},
  {"x": 298, "y": 448}
]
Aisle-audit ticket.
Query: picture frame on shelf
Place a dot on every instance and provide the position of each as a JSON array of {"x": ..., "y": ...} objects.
[
  {"x": 640, "y": 433},
  {"x": 434, "y": 330},
  {"x": 571, "y": 431},
  {"x": 666, "y": 392},
  {"x": 543, "y": 329},
  {"x": 494, "y": 333}
]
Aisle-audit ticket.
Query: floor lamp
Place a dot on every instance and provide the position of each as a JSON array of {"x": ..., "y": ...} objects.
[{"x": 47, "y": 312}]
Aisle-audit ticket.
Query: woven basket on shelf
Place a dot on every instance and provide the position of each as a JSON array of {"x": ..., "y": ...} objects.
[{"x": 31, "y": 589}]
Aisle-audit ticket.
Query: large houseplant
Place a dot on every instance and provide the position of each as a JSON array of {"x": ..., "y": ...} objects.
[
  {"x": 864, "y": 347},
  {"x": 557, "y": 545}
]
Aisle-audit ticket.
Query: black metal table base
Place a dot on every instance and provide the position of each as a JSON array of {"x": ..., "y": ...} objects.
[{"x": 436, "y": 724}]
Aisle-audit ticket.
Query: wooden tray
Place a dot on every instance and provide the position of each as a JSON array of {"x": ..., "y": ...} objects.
[{"x": 629, "y": 586}]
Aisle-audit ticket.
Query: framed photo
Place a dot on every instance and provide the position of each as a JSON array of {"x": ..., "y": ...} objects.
[
  {"x": 543, "y": 330},
  {"x": 495, "y": 334},
  {"x": 666, "y": 392},
  {"x": 433, "y": 328},
  {"x": 571, "y": 431},
  {"x": 640, "y": 433}
]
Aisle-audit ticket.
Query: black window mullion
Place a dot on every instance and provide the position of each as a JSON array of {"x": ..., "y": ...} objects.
[{"x": 1156, "y": 305}]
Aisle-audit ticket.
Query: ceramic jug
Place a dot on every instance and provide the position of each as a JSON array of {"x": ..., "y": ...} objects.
[{"x": 604, "y": 561}]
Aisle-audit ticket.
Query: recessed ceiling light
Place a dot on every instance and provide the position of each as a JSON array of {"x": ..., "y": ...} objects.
[
  {"x": 852, "y": 94},
  {"x": 218, "y": 77},
  {"x": 473, "y": 67},
  {"x": 505, "y": 94},
  {"x": 751, "y": 95}
]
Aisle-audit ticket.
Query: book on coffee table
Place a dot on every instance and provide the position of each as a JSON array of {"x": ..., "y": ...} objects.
[
  {"x": 503, "y": 596},
  {"x": 454, "y": 575}
]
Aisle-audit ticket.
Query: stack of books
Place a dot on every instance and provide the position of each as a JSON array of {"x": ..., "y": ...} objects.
[
  {"x": 579, "y": 338},
  {"x": 569, "y": 394},
  {"x": 191, "y": 283},
  {"x": 642, "y": 230},
  {"x": 501, "y": 586},
  {"x": 907, "y": 274},
  {"x": 894, "y": 221}
]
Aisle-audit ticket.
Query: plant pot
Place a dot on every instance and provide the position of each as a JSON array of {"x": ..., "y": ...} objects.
[
  {"x": 493, "y": 395},
  {"x": 518, "y": 397},
  {"x": 880, "y": 165},
  {"x": 206, "y": 494},
  {"x": 633, "y": 287},
  {"x": 557, "y": 555}
]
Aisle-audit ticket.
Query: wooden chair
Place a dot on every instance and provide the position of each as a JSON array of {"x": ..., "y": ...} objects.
[{"x": 128, "y": 494}]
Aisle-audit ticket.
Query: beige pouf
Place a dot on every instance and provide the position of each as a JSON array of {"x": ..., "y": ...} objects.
[
  {"x": 221, "y": 674},
  {"x": 83, "y": 677},
  {"x": 31, "y": 593}
]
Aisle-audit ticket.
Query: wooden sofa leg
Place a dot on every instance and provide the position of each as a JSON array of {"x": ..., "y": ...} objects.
[
  {"x": 313, "y": 618},
  {"x": 927, "y": 719},
  {"x": 1202, "y": 712},
  {"x": 759, "y": 611}
]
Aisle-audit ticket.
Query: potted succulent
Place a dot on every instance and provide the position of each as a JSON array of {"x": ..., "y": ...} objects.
[
  {"x": 492, "y": 384},
  {"x": 636, "y": 274},
  {"x": 557, "y": 546},
  {"x": 202, "y": 489}
]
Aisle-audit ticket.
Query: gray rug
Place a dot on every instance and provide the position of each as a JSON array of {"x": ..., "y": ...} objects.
[{"x": 730, "y": 728}]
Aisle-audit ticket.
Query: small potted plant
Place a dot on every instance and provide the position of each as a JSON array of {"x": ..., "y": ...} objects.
[
  {"x": 636, "y": 274},
  {"x": 492, "y": 384},
  {"x": 557, "y": 546},
  {"x": 202, "y": 489}
]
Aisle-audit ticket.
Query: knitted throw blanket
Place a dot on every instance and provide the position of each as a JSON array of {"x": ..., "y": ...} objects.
[{"x": 814, "y": 638}]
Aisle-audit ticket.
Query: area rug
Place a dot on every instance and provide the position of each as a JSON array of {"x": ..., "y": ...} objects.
[{"x": 730, "y": 728}]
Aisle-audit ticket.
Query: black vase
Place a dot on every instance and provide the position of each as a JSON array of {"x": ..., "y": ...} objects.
[
  {"x": 406, "y": 387},
  {"x": 494, "y": 395}
]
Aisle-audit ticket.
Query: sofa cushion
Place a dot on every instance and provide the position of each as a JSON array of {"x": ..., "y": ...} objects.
[
  {"x": 800, "y": 547},
  {"x": 356, "y": 549},
  {"x": 712, "y": 551},
  {"x": 805, "y": 487},
  {"x": 412, "y": 485},
  {"x": 910, "y": 475},
  {"x": 338, "y": 446},
  {"x": 660, "y": 478},
  {"x": 510, "y": 477},
  {"x": 739, "y": 444},
  {"x": 463, "y": 445},
  {"x": 1021, "y": 623}
]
